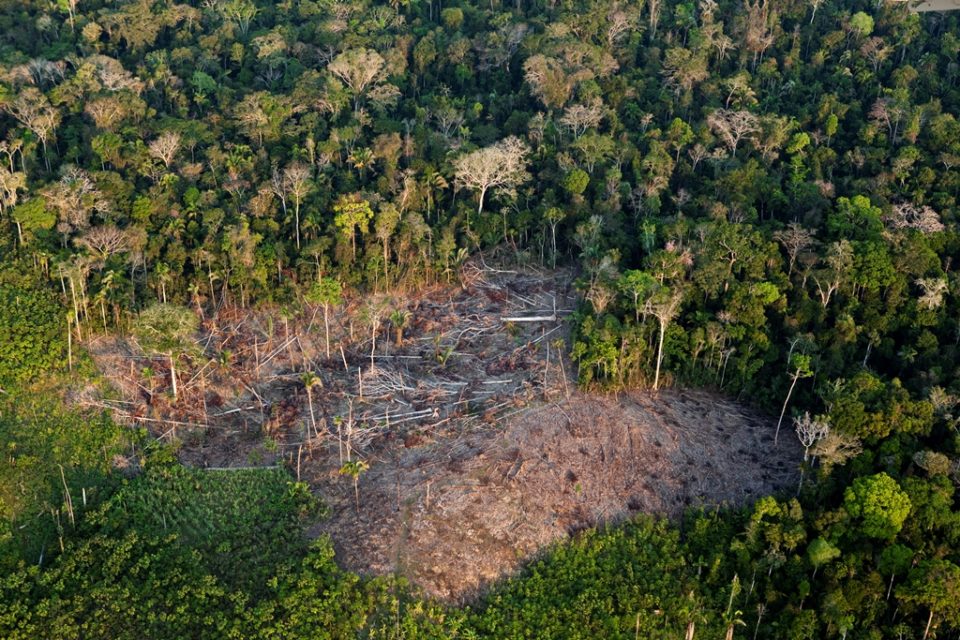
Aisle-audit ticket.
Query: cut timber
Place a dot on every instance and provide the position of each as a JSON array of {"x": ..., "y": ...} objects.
[{"x": 550, "y": 318}]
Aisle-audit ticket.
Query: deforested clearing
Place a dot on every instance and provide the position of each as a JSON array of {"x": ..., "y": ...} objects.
[
  {"x": 456, "y": 513},
  {"x": 445, "y": 431}
]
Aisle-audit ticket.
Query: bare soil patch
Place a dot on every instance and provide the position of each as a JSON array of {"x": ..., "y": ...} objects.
[
  {"x": 479, "y": 450},
  {"x": 934, "y": 5},
  {"x": 455, "y": 514}
]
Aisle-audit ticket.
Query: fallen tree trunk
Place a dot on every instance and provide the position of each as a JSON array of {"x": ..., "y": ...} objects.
[{"x": 550, "y": 318}]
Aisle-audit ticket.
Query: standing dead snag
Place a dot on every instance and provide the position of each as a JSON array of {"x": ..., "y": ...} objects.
[
  {"x": 809, "y": 431},
  {"x": 358, "y": 69},
  {"x": 297, "y": 182},
  {"x": 733, "y": 126},
  {"x": 795, "y": 240},
  {"x": 372, "y": 315}
]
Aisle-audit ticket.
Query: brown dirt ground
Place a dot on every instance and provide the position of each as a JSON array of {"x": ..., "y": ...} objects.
[
  {"x": 456, "y": 513},
  {"x": 480, "y": 450}
]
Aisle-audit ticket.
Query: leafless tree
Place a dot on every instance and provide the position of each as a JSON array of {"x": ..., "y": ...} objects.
[
  {"x": 297, "y": 182},
  {"x": 11, "y": 182},
  {"x": 499, "y": 47},
  {"x": 103, "y": 241},
  {"x": 910, "y": 216},
  {"x": 835, "y": 448},
  {"x": 619, "y": 23},
  {"x": 32, "y": 109},
  {"x": 933, "y": 291},
  {"x": 795, "y": 240},
  {"x": 75, "y": 198},
  {"x": 697, "y": 154},
  {"x": 684, "y": 69},
  {"x": 876, "y": 51},
  {"x": 112, "y": 75},
  {"x": 165, "y": 147},
  {"x": 839, "y": 261},
  {"x": 548, "y": 80},
  {"x": 600, "y": 294},
  {"x": 733, "y": 126},
  {"x": 383, "y": 96},
  {"x": 278, "y": 188},
  {"x": 810, "y": 430},
  {"x": 654, "y": 8},
  {"x": 501, "y": 166},
  {"x": 39, "y": 72},
  {"x": 449, "y": 119},
  {"x": 889, "y": 113},
  {"x": 713, "y": 35},
  {"x": 814, "y": 4},
  {"x": 105, "y": 112},
  {"x": 580, "y": 117},
  {"x": 10, "y": 148},
  {"x": 760, "y": 21},
  {"x": 358, "y": 69}
]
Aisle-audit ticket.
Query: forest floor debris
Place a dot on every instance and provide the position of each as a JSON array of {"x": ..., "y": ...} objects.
[
  {"x": 478, "y": 449},
  {"x": 454, "y": 514}
]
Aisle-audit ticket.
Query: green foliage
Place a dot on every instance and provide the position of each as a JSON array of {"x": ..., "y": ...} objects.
[
  {"x": 33, "y": 339},
  {"x": 861, "y": 23},
  {"x": 935, "y": 586},
  {"x": 790, "y": 167},
  {"x": 124, "y": 587},
  {"x": 40, "y": 438},
  {"x": 210, "y": 513},
  {"x": 326, "y": 291},
  {"x": 879, "y": 503},
  {"x": 820, "y": 552},
  {"x": 166, "y": 329},
  {"x": 608, "y": 585},
  {"x": 576, "y": 181}
]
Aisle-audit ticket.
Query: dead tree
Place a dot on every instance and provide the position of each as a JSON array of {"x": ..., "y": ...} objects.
[{"x": 810, "y": 430}]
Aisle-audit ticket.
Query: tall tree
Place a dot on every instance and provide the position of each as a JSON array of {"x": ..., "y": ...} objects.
[
  {"x": 358, "y": 69},
  {"x": 663, "y": 305},
  {"x": 934, "y": 585},
  {"x": 501, "y": 166},
  {"x": 329, "y": 293},
  {"x": 297, "y": 181},
  {"x": 167, "y": 330},
  {"x": 32, "y": 109},
  {"x": 800, "y": 365}
]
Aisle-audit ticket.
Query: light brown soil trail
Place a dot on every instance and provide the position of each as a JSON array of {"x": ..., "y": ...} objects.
[{"x": 477, "y": 455}]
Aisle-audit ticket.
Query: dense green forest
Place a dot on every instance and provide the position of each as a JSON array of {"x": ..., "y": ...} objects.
[{"x": 759, "y": 197}]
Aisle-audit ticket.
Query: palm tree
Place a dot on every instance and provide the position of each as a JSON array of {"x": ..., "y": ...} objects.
[
  {"x": 354, "y": 468},
  {"x": 361, "y": 158},
  {"x": 311, "y": 380},
  {"x": 399, "y": 318}
]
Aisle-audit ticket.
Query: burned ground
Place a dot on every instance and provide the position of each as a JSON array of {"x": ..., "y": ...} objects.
[{"x": 479, "y": 449}]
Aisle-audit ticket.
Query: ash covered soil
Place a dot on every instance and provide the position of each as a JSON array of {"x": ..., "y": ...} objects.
[{"x": 480, "y": 451}]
